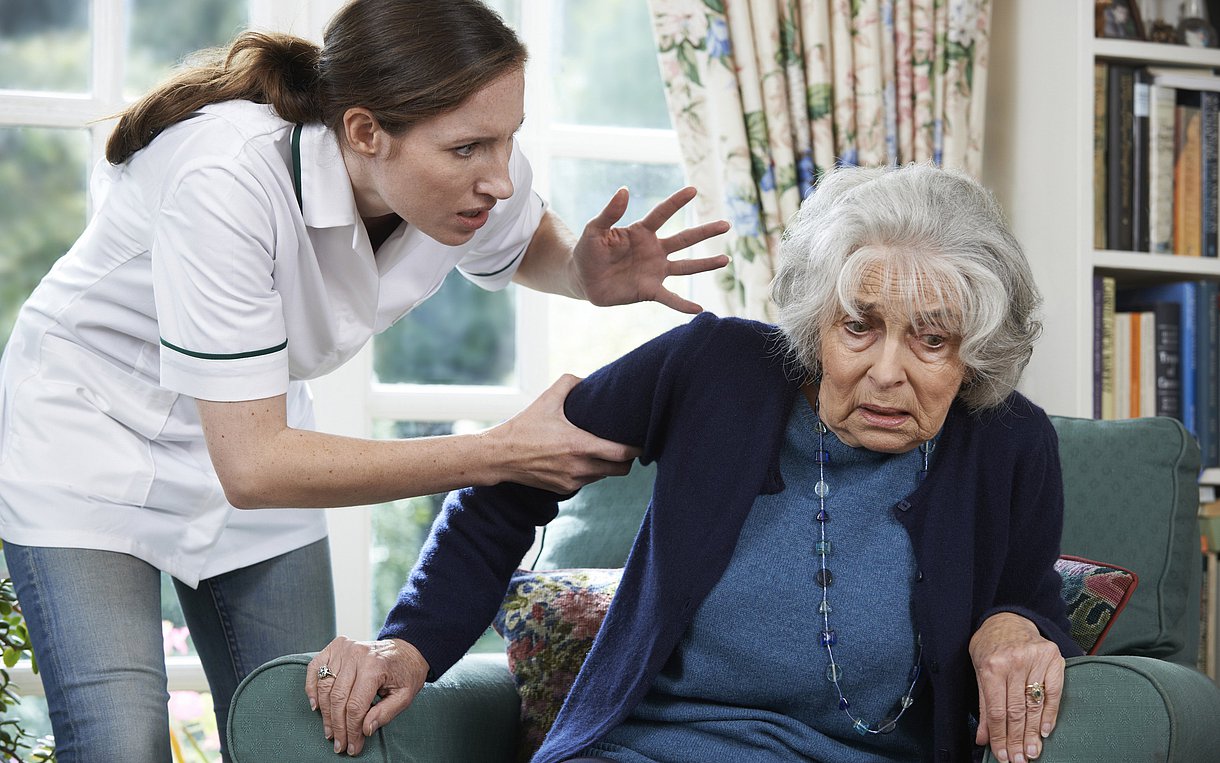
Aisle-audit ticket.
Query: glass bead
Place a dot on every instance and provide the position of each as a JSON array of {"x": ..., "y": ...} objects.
[
  {"x": 821, "y": 489},
  {"x": 913, "y": 675},
  {"x": 829, "y": 637},
  {"x": 824, "y": 608},
  {"x": 887, "y": 725},
  {"x": 923, "y": 474},
  {"x": 825, "y": 578},
  {"x": 907, "y": 701},
  {"x": 833, "y": 672},
  {"x": 822, "y": 547},
  {"x": 928, "y": 446},
  {"x": 821, "y": 457},
  {"x": 819, "y": 427},
  {"x": 823, "y": 516},
  {"x": 843, "y": 703},
  {"x": 861, "y": 726}
]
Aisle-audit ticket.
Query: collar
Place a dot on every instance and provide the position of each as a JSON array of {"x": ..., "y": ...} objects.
[{"x": 323, "y": 186}]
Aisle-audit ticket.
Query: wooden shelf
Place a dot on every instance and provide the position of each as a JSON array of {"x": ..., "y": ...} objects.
[
  {"x": 1156, "y": 53},
  {"x": 1171, "y": 265}
]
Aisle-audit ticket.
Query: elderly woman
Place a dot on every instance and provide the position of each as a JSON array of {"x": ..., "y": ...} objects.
[{"x": 849, "y": 551}]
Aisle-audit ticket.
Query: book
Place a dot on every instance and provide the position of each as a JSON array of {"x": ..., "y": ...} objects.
[
  {"x": 1209, "y": 130},
  {"x": 1120, "y": 132},
  {"x": 1187, "y": 179},
  {"x": 1146, "y": 363},
  {"x": 1184, "y": 294},
  {"x": 1167, "y": 362},
  {"x": 1185, "y": 78},
  {"x": 1097, "y": 339},
  {"x": 1209, "y": 365},
  {"x": 1105, "y": 323},
  {"x": 1140, "y": 107},
  {"x": 1122, "y": 365},
  {"x": 1100, "y": 71},
  {"x": 1160, "y": 167}
]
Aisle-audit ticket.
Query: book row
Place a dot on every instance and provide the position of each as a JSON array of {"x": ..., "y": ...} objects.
[
  {"x": 1157, "y": 353},
  {"x": 1156, "y": 159}
]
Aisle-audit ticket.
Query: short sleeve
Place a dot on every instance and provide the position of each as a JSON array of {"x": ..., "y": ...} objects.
[
  {"x": 497, "y": 249},
  {"x": 223, "y": 334}
]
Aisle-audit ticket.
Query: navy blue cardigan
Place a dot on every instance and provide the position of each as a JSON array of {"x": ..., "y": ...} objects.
[{"x": 708, "y": 402}]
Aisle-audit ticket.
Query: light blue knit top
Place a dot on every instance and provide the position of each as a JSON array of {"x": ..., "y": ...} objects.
[{"x": 748, "y": 683}]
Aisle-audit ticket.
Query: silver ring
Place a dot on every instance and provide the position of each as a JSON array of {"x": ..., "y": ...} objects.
[{"x": 325, "y": 672}]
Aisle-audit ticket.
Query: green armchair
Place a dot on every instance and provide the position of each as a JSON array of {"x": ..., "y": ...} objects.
[{"x": 1131, "y": 500}]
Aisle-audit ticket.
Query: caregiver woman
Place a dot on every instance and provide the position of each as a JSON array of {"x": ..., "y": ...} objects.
[{"x": 261, "y": 217}]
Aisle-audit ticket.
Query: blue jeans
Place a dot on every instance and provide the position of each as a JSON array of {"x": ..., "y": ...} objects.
[{"x": 95, "y": 623}]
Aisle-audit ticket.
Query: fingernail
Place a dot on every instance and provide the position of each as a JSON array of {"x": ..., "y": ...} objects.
[
  {"x": 1046, "y": 731},
  {"x": 313, "y": 704},
  {"x": 373, "y": 728},
  {"x": 326, "y": 732},
  {"x": 1003, "y": 756},
  {"x": 338, "y": 747},
  {"x": 351, "y": 749},
  {"x": 1032, "y": 750},
  {"x": 1019, "y": 758}
]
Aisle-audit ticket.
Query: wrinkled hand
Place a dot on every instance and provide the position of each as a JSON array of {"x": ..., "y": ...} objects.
[
  {"x": 539, "y": 447},
  {"x": 1009, "y": 654},
  {"x": 361, "y": 671},
  {"x": 619, "y": 266}
]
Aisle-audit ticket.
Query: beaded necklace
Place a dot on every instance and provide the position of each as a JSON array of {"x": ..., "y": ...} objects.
[{"x": 824, "y": 579}]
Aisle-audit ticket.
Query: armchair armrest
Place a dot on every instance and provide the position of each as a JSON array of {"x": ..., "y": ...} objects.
[
  {"x": 471, "y": 713},
  {"x": 1133, "y": 708}
]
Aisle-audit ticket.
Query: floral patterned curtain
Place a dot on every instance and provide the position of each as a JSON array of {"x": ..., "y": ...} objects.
[{"x": 766, "y": 94}]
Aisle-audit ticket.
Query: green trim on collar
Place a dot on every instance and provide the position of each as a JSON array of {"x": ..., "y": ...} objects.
[
  {"x": 296, "y": 163},
  {"x": 226, "y": 356}
]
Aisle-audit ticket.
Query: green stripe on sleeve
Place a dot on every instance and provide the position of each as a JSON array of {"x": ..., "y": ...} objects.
[{"x": 226, "y": 356}]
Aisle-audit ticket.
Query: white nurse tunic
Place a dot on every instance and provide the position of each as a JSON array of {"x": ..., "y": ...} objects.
[{"x": 202, "y": 275}]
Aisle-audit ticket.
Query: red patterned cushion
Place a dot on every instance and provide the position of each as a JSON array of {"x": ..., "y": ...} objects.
[
  {"x": 1095, "y": 594},
  {"x": 549, "y": 619}
]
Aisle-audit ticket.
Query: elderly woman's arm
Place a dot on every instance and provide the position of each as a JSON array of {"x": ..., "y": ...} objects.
[
  {"x": 1023, "y": 638},
  {"x": 475, "y": 545}
]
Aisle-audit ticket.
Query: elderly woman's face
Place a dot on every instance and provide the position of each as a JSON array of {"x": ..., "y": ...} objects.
[{"x": 887, "y": 384}]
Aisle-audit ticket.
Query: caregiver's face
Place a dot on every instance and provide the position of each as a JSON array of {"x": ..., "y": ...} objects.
[{"x": 887, "y": 380}]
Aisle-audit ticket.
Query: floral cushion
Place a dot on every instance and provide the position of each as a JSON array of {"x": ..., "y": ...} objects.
[
  {"x": 549, "y": 619},
  {"x": 1095, "y": 593}
]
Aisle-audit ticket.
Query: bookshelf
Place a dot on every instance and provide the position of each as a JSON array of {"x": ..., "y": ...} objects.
[{"x": 1038, "y": 159}]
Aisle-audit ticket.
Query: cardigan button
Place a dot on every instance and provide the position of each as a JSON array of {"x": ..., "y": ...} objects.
[
  {"x": 942, "y": 754},
  {"x": 934, "y": 666},
  {"x": 919, "y": 576},
  {"x": 904, "y": 505}
]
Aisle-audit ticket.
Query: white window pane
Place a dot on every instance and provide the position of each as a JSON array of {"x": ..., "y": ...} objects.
[
  {"x": 401, "y": 527},
  {"x": 31, "y": 714},
  {"x": 604, "y": 64},
  {"x": 44, "y": 45},
  {"x": 161, "y": 34},
  {"x": 581, "y": 188},
  {"x": 582, "y": 337},
  {"x": 42, "y": 208},
  {"x": 509, "y": 10},
  {"x": 461, "y": 335}
]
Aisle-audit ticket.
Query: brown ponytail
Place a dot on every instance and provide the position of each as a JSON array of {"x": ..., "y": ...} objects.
[
  {"x": 263, "y": 67},
  {"x": 404, "y": 60}
]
